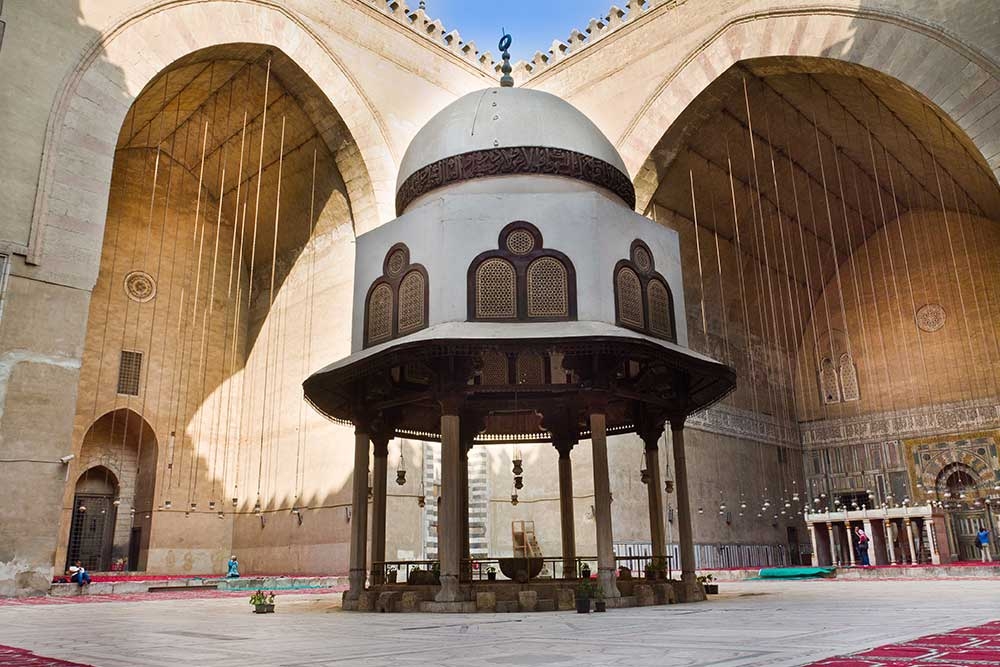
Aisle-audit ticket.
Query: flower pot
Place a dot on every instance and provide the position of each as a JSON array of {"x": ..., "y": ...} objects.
[
  {"x": 585, "y": 573},
  {"x": 390, "y": 577},
  {"x": 650, "y": 575},
  {"x": 711, "y": 589},
  {"x": 263, "y": 609},
  {"x": 491, "y": 576},
  {"x": 583, "y": 605},
  {"x": 600, "y": 606}
]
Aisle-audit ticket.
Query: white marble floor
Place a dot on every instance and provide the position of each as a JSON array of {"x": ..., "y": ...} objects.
[{"x": 750, "y": 624}]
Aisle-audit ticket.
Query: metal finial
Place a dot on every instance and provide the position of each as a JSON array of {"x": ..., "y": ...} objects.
[
  {"x": 506, "y": 81},
  {"x": 423, "y": 5}
]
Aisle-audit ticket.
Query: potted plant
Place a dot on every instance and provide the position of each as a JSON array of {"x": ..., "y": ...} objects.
[
  {"x": 706, "y": 581},
  {"x": 585, "y": 571},
  {"x": 624, "y": 572},
  {"x": 491, "y": 573},
  {"x": 599, "y": 604},
  {"x": 584, "y": 591},
  {"x": 436, "y": 573},
  {"x": 390, "y": 575},
  {"x": 262, "y": 603},
  {"x": 656, "y": 569}
]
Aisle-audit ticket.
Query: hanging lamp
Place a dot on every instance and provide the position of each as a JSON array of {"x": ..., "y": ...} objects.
[{"x": 401, "y": 467}]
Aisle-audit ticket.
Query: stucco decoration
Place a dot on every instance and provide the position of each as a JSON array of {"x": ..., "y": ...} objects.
[
  {"x": 140, "y": 286},
  {"x": 931, "y": 318}
]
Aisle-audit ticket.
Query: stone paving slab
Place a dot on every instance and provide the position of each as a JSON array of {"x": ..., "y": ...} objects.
[{"x": 750, "y": 624}]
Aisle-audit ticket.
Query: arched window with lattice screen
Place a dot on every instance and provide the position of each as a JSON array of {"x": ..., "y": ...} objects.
[
  {"x": 521, "y": 280},
  {"x": 548, "y": 289},
  {"x": 643, "y": 300},
  {"x": 496, "y": 290},
  {"x": 397, "y": 302},
  {"x": 412, "y": 302},
  {"x": 628, "y": 297},
  {"x": 379, "y": 309},
  {"x": 661, "y": 309},
  {"x": 848, "y": 372}
]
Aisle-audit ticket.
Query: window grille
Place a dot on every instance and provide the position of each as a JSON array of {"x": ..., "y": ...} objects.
[
  {"x": 548, "y": 290},
  {"x": 530, "y": 368},
  {"x": 849, "y": 378},
  {"x": 129, "y": 371},
  {"x": 494, "y": 368},
  {"x": 411, "y": 302},
  {"x": 629, "y": 298},
  {"x": 380, "y": 314},
  {"x": 496, "y": 289},
  {"x": 660, "y": 309}
]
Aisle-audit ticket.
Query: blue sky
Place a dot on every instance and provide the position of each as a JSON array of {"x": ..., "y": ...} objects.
[{"x": 532, "y": 23}]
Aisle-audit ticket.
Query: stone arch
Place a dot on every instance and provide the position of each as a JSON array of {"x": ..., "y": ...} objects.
[
  {"x": 121, "y": 446},
  {"x": 88, "y": 112},
  {"x": 834, "y": 34}
]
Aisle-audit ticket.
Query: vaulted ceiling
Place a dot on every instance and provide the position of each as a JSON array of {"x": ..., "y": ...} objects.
[{"x": 836, "y": 149}]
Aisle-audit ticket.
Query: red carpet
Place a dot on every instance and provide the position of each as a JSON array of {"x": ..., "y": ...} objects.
[
  {"x": 160, "y": 595},
  {"x": 18, "y": 657},
  {"x": 965, "y": 647}
]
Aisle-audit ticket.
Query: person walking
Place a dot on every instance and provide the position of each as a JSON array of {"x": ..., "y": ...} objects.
[
  {"x": 983, "y": 538},
  {"x": 862, "y": 546}
]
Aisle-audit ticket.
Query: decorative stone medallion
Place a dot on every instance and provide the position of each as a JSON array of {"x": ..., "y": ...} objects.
[
  {"x": 930, "y": 318},
  {"x": 140, "y": 286}
]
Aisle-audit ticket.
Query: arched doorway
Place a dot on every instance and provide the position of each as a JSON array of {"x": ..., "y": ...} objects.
[
  {"x": 959, "y": 489},
  {"x": 113, "y": 498},
  {"x": 91, "y": 536}
]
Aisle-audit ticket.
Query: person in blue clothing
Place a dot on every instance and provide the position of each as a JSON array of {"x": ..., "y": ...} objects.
[
  {"x": 234, "y": 568},
  {"x": 983, "y": 537}
]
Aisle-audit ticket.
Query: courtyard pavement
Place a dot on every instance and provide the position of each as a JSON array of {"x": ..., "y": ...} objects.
[{"x": 752, "y": 623}]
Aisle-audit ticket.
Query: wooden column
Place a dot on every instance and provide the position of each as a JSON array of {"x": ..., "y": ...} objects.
[
  {"x": 450, "y": 509},
  {"x": 654, "y": 493},
  {"x": 602, "y": 502},
  {"x": 566, "y": 516},
  {"x": 684, "y": 529},
  {"x": 379, "y": 472},
  {"x": 359, "y": 514}
]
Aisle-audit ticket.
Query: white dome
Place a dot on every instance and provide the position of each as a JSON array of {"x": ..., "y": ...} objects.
[{"x": 495, "y": 119}]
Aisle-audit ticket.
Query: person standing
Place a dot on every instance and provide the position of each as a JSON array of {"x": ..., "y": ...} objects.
[
  {"x": 233, "y": 571},
  {"x": 983, "y": 537},
  {"x": 862, "y": 546}
]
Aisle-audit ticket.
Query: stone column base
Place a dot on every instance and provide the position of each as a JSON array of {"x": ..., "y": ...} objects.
[{"x": 450, "y": 591}]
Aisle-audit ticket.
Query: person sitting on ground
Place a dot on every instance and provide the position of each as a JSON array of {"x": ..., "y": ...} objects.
[
  {"x": 234, "y": 568},
  {"x": 862, "y": 546},
  {"x": 78, "y": 575},
  {"x": 983, "y": 537}
]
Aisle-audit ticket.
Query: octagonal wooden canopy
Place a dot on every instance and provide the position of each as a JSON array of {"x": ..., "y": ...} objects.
[{"x": 403, "y": 382}]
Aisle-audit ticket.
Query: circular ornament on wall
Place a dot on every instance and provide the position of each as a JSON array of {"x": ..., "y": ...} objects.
[
  {"x": 642, "y": 259},
  {"x": 140, "y": 286},
  {"x": 397, "y": 262},
  {"x": 520, "y": 242},
  {"x": 930, "y": 318}
]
